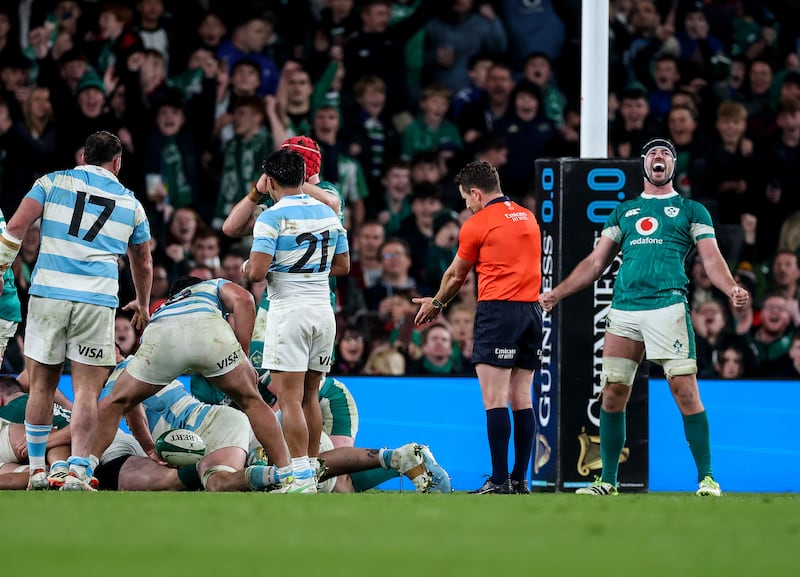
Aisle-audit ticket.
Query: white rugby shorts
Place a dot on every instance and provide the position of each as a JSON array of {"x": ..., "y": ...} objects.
[
  {"x": 172, "y": 346},
  {"x": 300, "y": 338},
  {"x": 81, "y": 332},
  {"x": 665, "y": 332}
]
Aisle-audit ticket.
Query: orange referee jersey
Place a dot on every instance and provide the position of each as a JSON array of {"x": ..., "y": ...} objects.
[{"x": 505, "y": 243}]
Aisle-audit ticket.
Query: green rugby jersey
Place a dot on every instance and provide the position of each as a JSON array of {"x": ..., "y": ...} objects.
[
  {"x": 655, "y": 234},
  {"x": 14, "y": 412},
  {"x": 9, "y": 300}
]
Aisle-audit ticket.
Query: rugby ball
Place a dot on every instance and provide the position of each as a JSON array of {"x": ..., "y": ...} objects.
[{"x": 180, "y": 447}]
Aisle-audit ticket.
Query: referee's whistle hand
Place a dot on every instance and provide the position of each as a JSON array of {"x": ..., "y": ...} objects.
[{"x": 427, "y": 312}]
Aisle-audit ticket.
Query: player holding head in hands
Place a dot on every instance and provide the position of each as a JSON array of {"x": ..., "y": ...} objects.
[
  {"x": 300, "y": 242},
  {"x": 502, "y": 240},
  {"x": 89, "y": 219},
  {"x": 649, "y": 311}
]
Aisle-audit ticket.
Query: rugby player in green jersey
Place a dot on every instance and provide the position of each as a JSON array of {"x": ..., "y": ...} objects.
[{"x": 649, "y": 311}]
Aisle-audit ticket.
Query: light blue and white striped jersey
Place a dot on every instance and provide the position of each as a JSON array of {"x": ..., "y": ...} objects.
[
  {"x": 89, "y": 219},
  {"x": 302, "y": 235},
  {"x": 202, "y": 297},
  {"x": 172, "y": 407}
]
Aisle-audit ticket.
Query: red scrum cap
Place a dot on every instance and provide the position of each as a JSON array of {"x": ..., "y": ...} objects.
[{"x": 309, "y": 150}]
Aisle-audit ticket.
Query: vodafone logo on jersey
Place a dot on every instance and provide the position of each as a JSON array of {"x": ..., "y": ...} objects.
[{"x": 646, "y": 226}]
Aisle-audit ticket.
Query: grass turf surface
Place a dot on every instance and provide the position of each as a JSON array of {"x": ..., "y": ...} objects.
[{"x": 382, "y": 534}]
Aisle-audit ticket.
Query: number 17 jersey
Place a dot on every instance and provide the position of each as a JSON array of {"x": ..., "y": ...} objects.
[
  {"x": 88, "y": 220},
  {"x": 302, "y": 235}
]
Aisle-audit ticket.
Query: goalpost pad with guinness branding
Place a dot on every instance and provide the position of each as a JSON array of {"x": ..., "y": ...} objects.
[{"x": 574, "y": 198}]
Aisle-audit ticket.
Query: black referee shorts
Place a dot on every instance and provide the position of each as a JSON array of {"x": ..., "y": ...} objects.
[{"x": 508, "y": 334}]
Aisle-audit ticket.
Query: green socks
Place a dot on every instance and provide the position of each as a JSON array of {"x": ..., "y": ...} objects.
[
  {"x": 365, "y": 480},
  {"x": 695, "y": 427},
  {"x": 612, "y": 439}
]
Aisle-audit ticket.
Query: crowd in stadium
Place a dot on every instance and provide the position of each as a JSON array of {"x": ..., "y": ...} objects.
[{"x": 399, "y": 96}]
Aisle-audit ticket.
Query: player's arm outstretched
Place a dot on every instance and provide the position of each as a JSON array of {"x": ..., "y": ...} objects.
[
  {"x": 719, "y": 273},
  {"x": 587, "y": 271}
]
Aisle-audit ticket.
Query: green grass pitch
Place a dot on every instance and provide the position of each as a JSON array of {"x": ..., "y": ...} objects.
[{"x": 403, "y": 534}]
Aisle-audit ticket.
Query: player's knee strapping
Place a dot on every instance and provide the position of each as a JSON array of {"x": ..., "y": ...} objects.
[
  {"x": 679, "y": 367},
  {"x": 213, "y": 470},
  {"x": 618, "y": 370},
  {"x": 9, "y": 247}
]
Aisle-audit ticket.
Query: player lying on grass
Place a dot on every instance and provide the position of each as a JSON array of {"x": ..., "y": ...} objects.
[{"x": 229, "y": 438}]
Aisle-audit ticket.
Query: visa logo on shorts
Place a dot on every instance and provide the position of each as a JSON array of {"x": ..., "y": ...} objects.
[
  {"x": 229, "y": 361},
  {"x": 325, "y": 360},
  {"x": 90, "y": 352},
  {"x": 505, "y": 354}
]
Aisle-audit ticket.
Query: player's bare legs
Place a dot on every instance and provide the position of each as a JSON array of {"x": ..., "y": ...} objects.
[
  {"x": 312, "y": 412},
  {"x": 240, "y": 385},
  {"x": 615, "y": 398},
  {"x": 87, "y": 382},
  {"x": 686, "y": 394},
  {"x": 39, "y": 417},
  {"x": 126, "y": 394},
  {"x": 344, "y": 484},
  {"x": 290, "y": 390},
  {"x": 222, "y": 470}
]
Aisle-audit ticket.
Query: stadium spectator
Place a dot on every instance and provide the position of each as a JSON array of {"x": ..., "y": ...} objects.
[
  {"x": 456, "y": 36},
  {"x": 633, "y": 126},
  {"x": 437, "y": 355},
  {"x": 431, "y": 130},
  {"x": 730, "y": 172},
  {"x": 366, "y": 266},
  {"x": 666, "y": 76},
  {"x": 352, "y": 349},
  {"x": 338, "y": 167},
  {"x": 378, "y": 49},
  {"x": 242, "y": 155},
  {"x": 385, "y": 360},
  {"x": 443, "y": 245},
  {"x": 691, "y": 146},
  {"x": 529, "y": 134},
  {"x": 372, "y": 138},
  {"x": 477, "y": 69},
  {"x": 417, "y": 229},
  {"x": 250, "y": 36},
  {"x": 773, "y": 337},
  {"x": 479, "y": 117},
  {"x": 395, "y": 256},
  {"x": 791, "y": 368},
  {"x": 539, "y": 70}
]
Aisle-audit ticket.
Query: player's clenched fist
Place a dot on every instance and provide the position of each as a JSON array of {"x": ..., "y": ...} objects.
[
  {"x": 548, "y": 300},
  {"x": 739, "y": 297}
]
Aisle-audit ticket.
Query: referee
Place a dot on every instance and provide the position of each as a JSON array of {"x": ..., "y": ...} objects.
[{"x": 502, "y": 240}]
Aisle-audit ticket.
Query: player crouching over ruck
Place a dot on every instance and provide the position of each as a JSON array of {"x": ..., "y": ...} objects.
[{"x": 649, "y": 311}]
